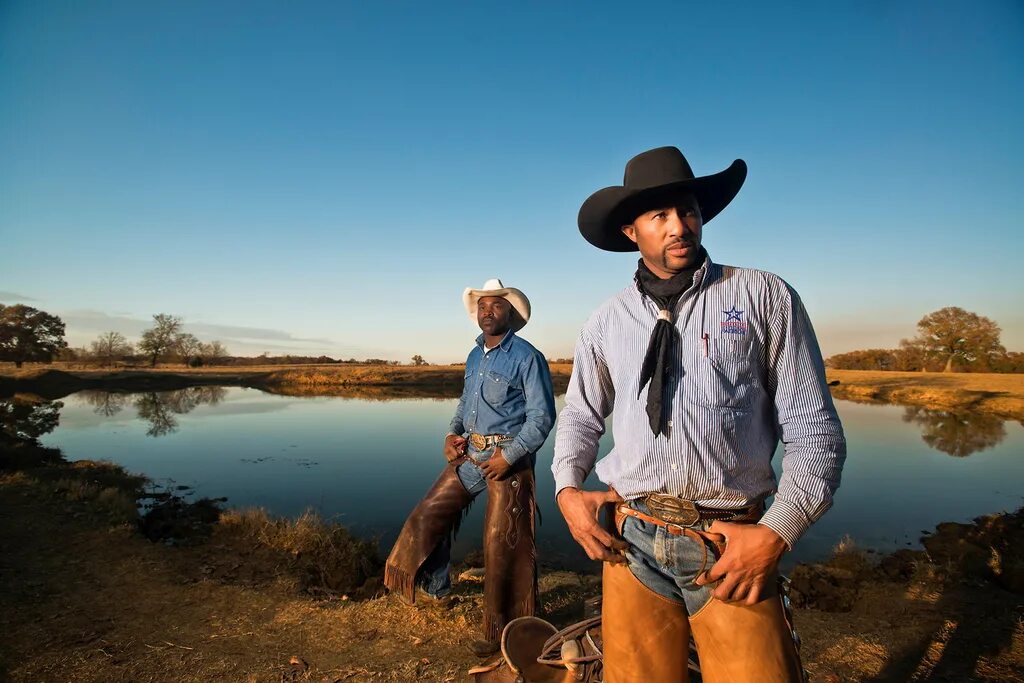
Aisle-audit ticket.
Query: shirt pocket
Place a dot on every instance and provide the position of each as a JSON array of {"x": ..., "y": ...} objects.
[
  {"x": 495, "y": 388},
  {"x": 727, "y": 376}
]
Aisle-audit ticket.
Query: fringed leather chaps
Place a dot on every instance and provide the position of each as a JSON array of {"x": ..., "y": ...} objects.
[
  {"x": 510, "y": 555},
  {"x": 437, "y": 515}
]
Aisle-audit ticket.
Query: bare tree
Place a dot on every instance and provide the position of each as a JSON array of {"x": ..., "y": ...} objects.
[
  {"x": 417, "y": 360},
  {"x": 212, "y": 352},
  {"x": 160, "y": 339},
  {"x": 187, "y": 347},
  {"x": 111, "y": 346}
]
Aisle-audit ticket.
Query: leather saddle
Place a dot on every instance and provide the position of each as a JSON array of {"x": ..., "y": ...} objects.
[{"x": 534, "y": 651}]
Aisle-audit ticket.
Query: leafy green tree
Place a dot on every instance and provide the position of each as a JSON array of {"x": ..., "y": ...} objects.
[
  {"x": 953, "y": 334},
  {"x": 162, "y": 338},
  {"x": 28, "y": 334}
]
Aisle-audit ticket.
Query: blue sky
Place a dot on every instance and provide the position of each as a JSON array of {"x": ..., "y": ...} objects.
[{"x": 327, "y": 177}]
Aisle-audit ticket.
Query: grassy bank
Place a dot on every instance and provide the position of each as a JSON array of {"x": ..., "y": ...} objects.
[
  {"x": 429, "y": 380},
  {"x": 997, "y": 394},
  {"x": 240, "y": 596}
]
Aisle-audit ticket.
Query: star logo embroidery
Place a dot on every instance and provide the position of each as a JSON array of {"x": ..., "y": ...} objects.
[{"x": 732, "y": 314}]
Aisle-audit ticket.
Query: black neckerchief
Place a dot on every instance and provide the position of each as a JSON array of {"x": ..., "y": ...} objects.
[{"x": 658, "y": 361}]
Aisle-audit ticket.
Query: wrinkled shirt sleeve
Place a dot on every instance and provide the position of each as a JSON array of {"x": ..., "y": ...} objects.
[
  {"x": 540, "y": 409},
  {"x": 807, "y": 423},
  {"x": 588, "y": 401}
]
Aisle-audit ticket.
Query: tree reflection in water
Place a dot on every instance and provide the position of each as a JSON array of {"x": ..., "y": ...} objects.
[
  {"x": 25, "y": 420},
  {"x": 158, "y": 408},
  {"x": 958, "y": 434}
]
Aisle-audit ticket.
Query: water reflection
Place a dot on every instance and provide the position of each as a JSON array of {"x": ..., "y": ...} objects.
[
  {"x": 956, "y": 433},
  {"x": 158, "y": 408},
  {"x": 24, "y": 419}
]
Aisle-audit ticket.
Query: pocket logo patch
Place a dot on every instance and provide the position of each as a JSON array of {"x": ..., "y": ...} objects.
[{"x": 734, "y": 323}]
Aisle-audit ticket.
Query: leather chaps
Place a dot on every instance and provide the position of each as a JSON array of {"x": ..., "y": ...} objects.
[{"x": 510, "y": 583}]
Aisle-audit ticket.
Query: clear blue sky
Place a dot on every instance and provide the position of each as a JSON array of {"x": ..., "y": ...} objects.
[{"x": 327, "y": 177}]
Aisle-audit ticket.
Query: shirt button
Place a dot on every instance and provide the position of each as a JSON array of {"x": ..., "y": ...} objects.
[
  {"x": 675, "y": 466},
  {"x": 670, "y": 423}
]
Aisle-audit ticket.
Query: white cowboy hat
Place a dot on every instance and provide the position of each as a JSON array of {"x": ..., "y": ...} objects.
[{"x": 493, "y": 287}]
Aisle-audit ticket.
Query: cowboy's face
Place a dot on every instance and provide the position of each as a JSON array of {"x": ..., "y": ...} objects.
[
  {"x": 494, "y": 315},
  {"x": 669, "y": 235}
]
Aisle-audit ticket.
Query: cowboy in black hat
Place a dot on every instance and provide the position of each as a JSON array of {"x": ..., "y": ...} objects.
[{"x": 704, "y": 368}]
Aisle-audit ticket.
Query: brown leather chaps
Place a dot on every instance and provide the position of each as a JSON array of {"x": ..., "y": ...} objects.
[
  {"x": 510, "y": 583},
  {"x": 510, "y": 554},
  {"x": 646, "y": 635}
]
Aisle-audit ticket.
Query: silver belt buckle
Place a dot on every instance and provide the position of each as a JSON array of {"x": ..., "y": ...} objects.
[{"x": 673, "y": 509}]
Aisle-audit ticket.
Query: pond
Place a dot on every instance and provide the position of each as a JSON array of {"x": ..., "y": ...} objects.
[{"x": 365, "y": 462}]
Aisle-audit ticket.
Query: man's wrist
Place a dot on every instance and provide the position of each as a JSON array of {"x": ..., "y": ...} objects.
[
  {"x": 512, "y": 452},
  {"x": 568, "y": 490},
  {"x": 786, "y": 520},
  {"x": 569, "y": 477}
]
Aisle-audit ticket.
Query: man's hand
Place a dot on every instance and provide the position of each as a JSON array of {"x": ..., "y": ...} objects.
[
  {"x": 748, "y": 566},
  {"x": 495, "y": 467},
  {"x": 580, "y": 509},
  {"x": 454, "y": 447}
]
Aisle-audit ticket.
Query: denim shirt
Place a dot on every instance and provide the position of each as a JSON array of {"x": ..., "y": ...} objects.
[{"x": 507, "y": 391}]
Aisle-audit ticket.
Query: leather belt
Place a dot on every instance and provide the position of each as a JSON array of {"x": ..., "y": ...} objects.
[
  {"x": 482, "y": 441},
  {"x": 678, "y": 514}
]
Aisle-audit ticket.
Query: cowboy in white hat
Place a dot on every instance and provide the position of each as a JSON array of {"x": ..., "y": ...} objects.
[
  {"x": 505, "y": 413},
  {"x": 704, "y": 368}
]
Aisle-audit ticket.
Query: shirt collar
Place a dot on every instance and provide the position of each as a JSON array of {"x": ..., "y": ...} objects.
[{"x": 504, "y": 344}]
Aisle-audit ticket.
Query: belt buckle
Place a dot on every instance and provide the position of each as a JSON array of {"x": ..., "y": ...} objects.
[
  {"x": 673, "y": 509},
  {"x": 477, "y": 441}
]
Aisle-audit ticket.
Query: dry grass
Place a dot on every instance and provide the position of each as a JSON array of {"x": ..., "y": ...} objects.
[
  {"x": 1000, "y": 394},
  {"x": 84, "y": 597},
  {"x": 321, "y": 556}
]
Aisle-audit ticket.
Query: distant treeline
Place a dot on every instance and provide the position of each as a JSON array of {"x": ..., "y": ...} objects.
[
  {"x": 908, "y": 361},
  {"x": 948, "y": 340}
]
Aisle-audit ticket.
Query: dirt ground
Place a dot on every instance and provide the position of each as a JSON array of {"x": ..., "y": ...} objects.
[{"x": 85, "y": 597}]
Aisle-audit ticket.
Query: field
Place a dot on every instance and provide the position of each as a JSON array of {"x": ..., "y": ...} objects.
[{"x": 998, "y": 394}]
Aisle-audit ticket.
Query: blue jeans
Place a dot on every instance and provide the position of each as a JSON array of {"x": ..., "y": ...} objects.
[
  {"x": 668, "y": 564},
  {"x": 435, "y": 573}
]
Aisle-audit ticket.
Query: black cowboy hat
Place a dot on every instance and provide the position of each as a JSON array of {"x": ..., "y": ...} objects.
[{"x": 649, "y": 176}]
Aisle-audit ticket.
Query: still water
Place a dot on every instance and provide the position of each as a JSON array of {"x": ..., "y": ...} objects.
[{"x": 365, "y": 463}]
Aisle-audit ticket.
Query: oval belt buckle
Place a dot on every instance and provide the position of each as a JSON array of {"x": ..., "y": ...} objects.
[
  {"x": 477, "y": 441},
  {"x": 675, "y": 510}
]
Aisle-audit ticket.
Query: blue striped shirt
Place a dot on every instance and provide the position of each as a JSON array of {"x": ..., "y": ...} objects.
[{"x": 747, "y": 372}]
